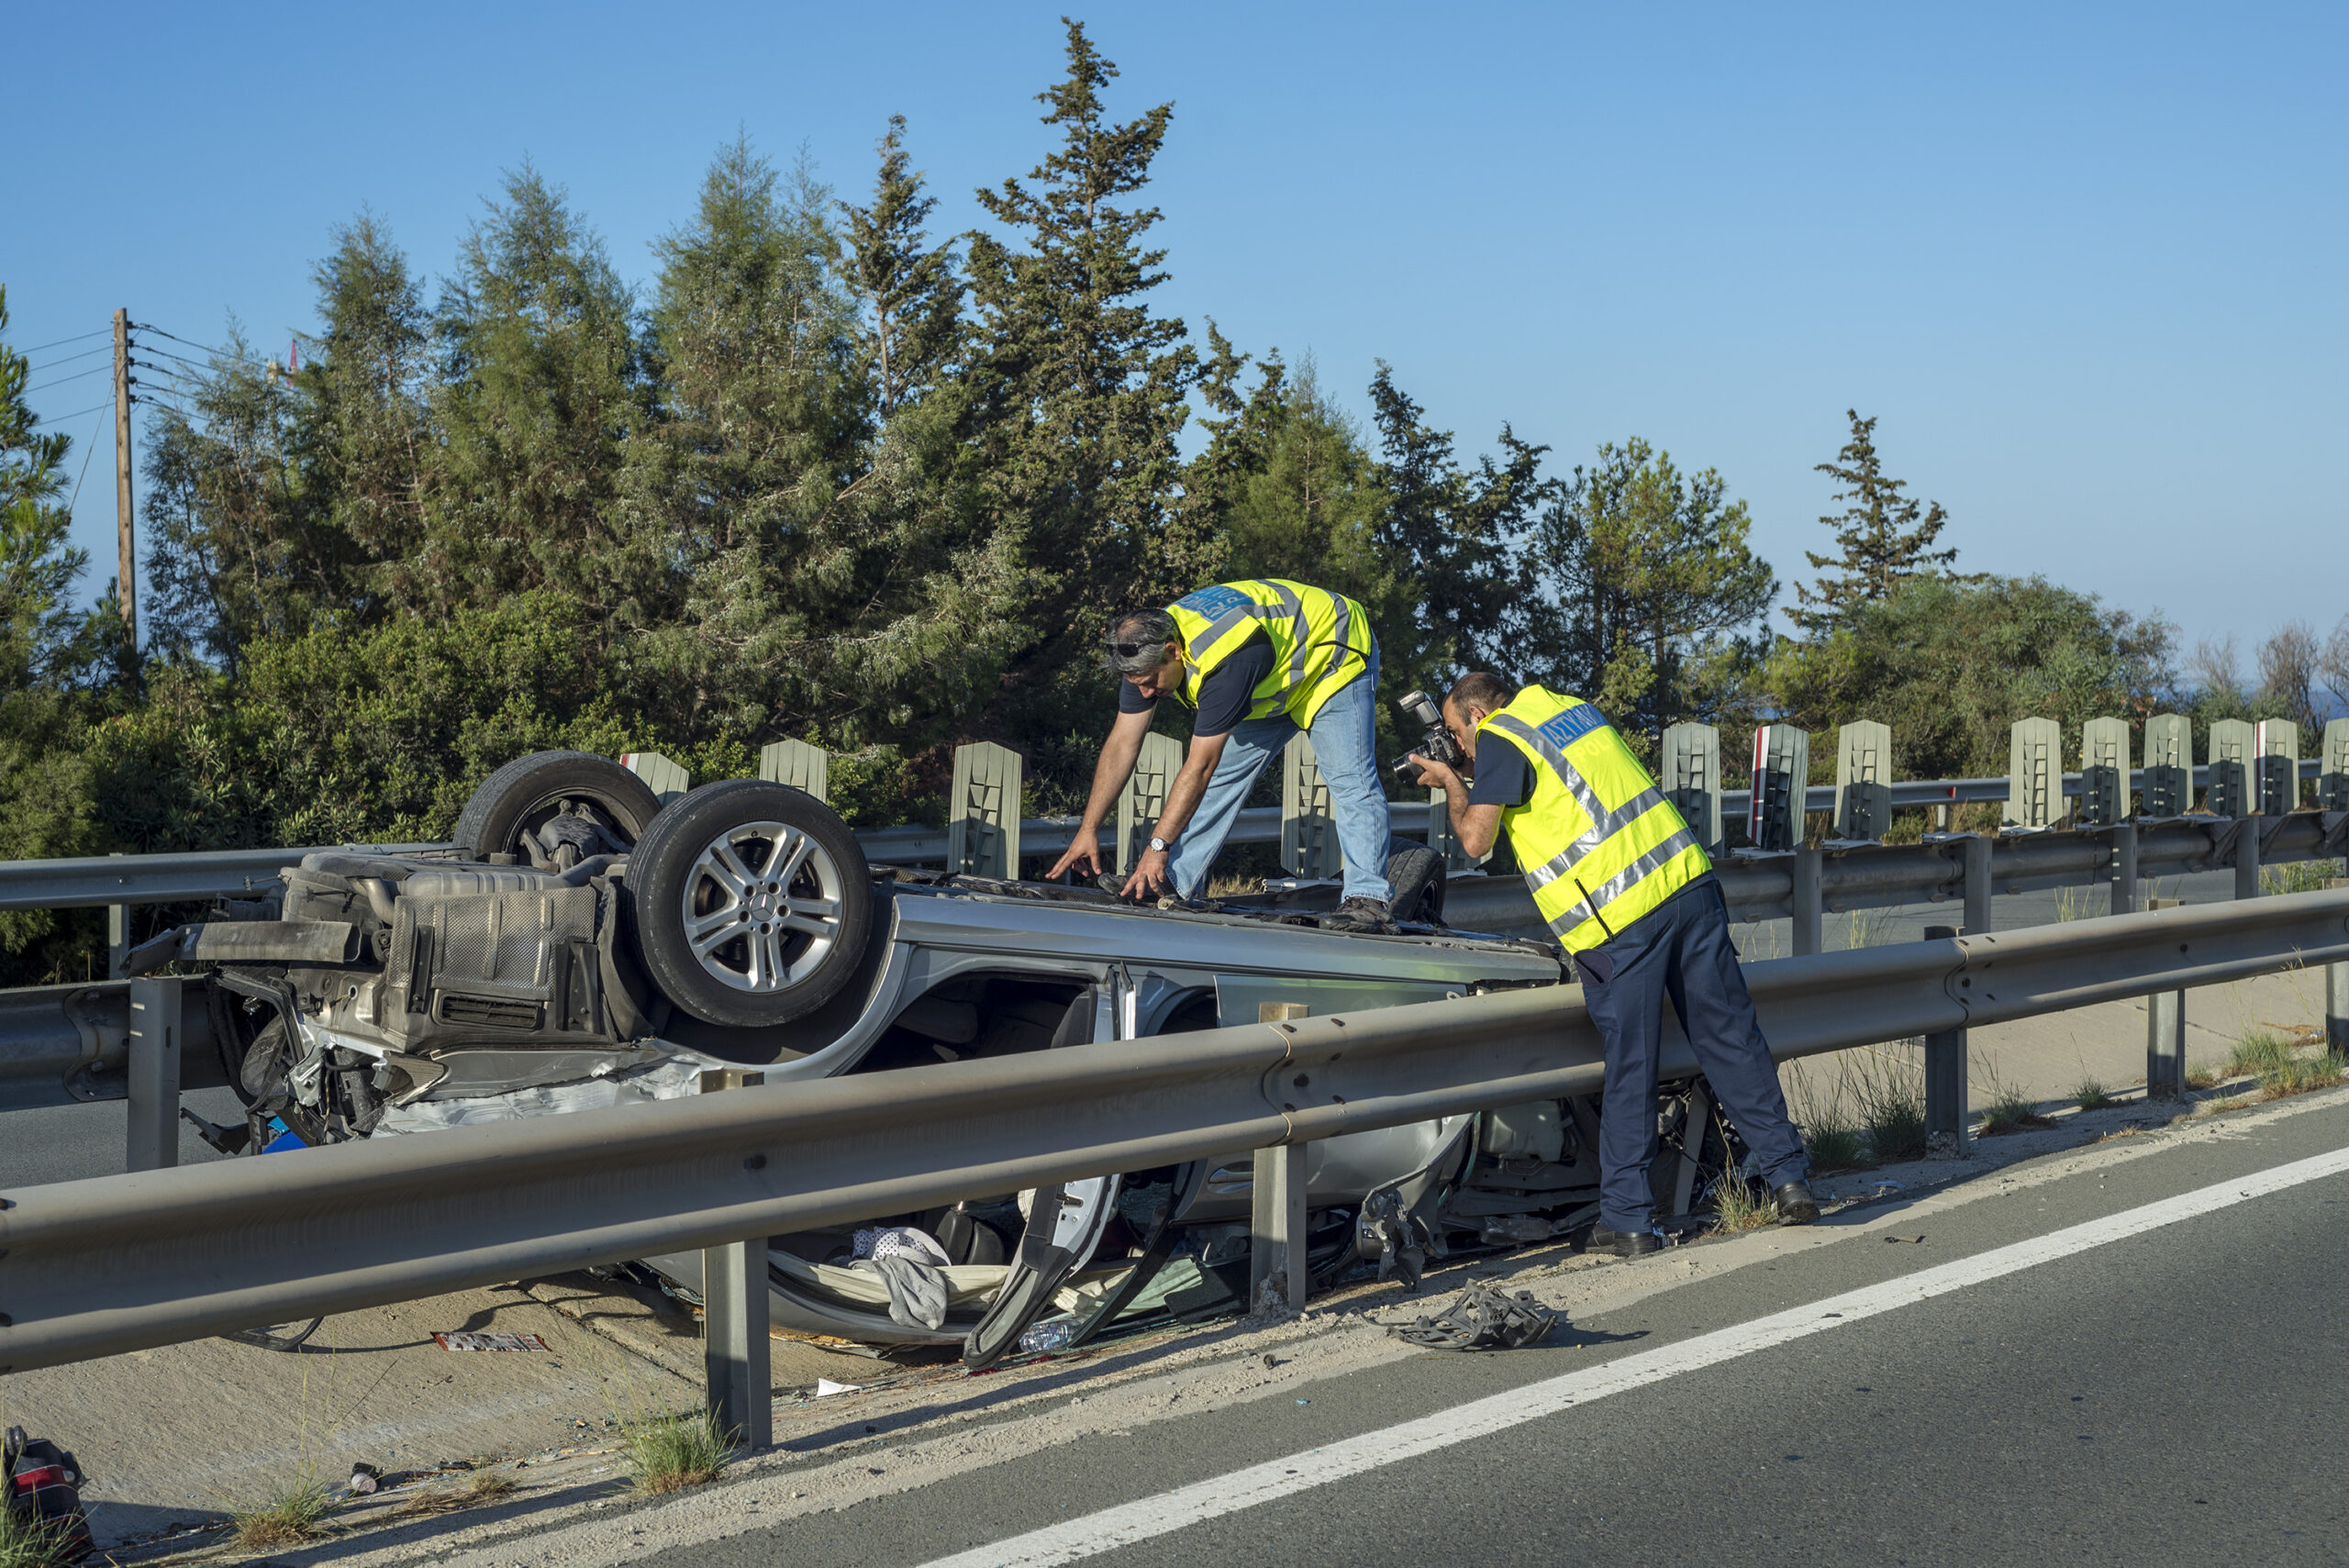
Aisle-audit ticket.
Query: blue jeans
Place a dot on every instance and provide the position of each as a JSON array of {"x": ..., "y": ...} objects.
[
  {"x": 1679, "y": 952},
  {"x": 1345, "y": 743}
]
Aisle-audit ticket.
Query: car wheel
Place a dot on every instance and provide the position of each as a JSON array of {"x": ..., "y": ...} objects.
[
  {"x": 608, "y": 808},
  {"x": 751, "y": 902}
]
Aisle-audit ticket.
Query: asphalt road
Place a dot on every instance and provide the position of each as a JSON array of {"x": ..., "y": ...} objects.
[
  {"x": 2173, "y": 1396},
  {"x": 68, "y": 1143}
]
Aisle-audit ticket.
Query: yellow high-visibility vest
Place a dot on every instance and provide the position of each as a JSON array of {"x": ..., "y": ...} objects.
[
  {"x": 1320, "y": 641},
  {"x": 1599, "y": 843}
]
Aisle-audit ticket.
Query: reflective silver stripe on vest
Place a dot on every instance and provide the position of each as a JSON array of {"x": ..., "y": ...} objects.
[
  {"x": 1598, "y": 898},
  {"x": 1604, "y": 824}
]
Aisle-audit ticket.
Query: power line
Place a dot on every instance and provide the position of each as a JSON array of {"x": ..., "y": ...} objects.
[
  {"x": 208, "y": 348},
  {"x": 68, "y": 360},
  {"x": 61, "y": 380},
  {"x": 85, "y": 458},
  {"x": 62, "y": 342},
  {"x": 169, "y": 355},
  {"x": 79, "y": 412}
]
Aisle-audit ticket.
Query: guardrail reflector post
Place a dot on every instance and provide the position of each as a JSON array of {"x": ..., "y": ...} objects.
[
  {"x": 666, "y": 778},
  {"x": 2333, "y": 772},
  {"x": 153, "y": 1078},
  {"x": 2168, "y": 789},
  {"x": 1277, "y": 1226},
  {"x": 2124, "y": 868},
  {"x": 118, "y": 934},
  {"x": 798, "y": 765},
  {"x": 1774, "y": 813},
  {"x": 1811, "y": 913},
  {"x": 734, "y": 1317},
  {"x": 2104, "y": 772},
  {"x": 1143, "y": 800},
  {"x": 2276, "y": 758},
  {"x": 1309, "y": 827},
  {"x": 2035, "y": 774},
  {"x": 2228, "y": 793},
  {"x": 982, "y": 815},
  {"x": 1863, "y": 779},
  {"x": 1692, "y": 779},
  {"x": 1944, "y": 1078}
]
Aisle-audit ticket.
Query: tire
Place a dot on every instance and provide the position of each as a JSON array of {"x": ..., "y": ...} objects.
[
  {"x": 522, "y": 796},
  {"x": 697, "y": 890}
]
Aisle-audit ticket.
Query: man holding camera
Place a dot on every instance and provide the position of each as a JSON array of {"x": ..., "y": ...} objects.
[
  {"x": 1257, "y": 661},
  {"x": 1623, "y": 881}
]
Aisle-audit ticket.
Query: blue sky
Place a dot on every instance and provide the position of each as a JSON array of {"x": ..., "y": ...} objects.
[{"x": 2083, "y": 263}]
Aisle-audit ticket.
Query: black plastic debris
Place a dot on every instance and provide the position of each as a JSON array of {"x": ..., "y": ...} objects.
[
  {"x": 1486, "y": 1317},
  {"x": 44, "y": 1491},
  {"x": 365, "y": 1480}
]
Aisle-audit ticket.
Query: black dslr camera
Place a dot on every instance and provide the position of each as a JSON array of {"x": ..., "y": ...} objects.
[{"x": 1437, "y": 742}]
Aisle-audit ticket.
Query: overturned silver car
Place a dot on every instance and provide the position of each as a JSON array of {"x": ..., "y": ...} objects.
[{"x": 584, "y": 946}]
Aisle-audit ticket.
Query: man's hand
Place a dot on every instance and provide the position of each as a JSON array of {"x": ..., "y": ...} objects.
[
  {"x": 1437, "y": 775},
  {"x": 1150, "y": 877},
  {"x": 1084, "y": 849}
]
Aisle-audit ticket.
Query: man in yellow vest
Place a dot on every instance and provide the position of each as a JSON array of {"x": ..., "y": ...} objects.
[
  {"x": 1256, "y": 660},
  {"x": 1623, "y": 881}
]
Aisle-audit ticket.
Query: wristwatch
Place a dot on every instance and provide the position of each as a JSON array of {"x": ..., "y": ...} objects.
[{"x": 1158, "y": 845}]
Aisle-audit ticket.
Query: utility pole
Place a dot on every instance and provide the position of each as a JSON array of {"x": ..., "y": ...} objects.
[{"x": 128, "y": 584}]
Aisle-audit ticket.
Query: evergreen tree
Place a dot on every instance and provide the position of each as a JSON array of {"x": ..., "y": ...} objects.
[
  {"x": 1452, "y": 535},
  {"x": 909, "y": 290},
  {"x": 1647, "y": 578},
  {"x": 828, "y": 583},
  {"x": 1077, "y": 391},
  {"x": 1886, "y": 536},
  {"x": 543, "y": 382}
]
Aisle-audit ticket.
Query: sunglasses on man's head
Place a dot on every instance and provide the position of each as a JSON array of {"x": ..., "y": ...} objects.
[{"x": 1131, "y": 650}]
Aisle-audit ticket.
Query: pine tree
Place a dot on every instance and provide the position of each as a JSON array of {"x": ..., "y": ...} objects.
[
  {"x": 1647, "y": 580},
  {"x": 1077, "y": 392},
  {"x": 1884, "y": 535},
  {"x": 908, "y": 288}
]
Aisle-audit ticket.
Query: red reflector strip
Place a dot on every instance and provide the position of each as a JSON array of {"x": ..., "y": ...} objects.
[{"x": 45, "y": 1476}]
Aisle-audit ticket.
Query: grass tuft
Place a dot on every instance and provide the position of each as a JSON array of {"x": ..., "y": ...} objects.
[
  {"x": 29, "y": 1543},
  {"x": 2203, "y": 1077},
  {"x": 2259, "y": 1051},
  {"x": 2297, "y": 876},
  {"x": 1890, "y": 1093},
  {"x": 2008, "y": 1109},
  {"x": 2091, "y": 1095},
  {"x": 673, "y": 1453},
  {"x": 1742, "y": 1204},
  {"x": 290, "y": 1518}
]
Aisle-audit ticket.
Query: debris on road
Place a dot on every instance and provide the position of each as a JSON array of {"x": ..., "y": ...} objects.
[
  {"x": 490, "y": 1341},
  {"x": 1484, "y": 1318}
]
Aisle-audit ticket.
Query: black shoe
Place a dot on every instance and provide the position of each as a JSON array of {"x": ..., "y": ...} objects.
[
  {"x": 1358, "y": 915},
  {"x": 1796, "y": 1206},
  {"x": 1624, "y": 1243}
]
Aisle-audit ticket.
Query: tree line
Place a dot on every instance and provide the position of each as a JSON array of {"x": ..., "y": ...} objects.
[{"x": 830, "y": 474}]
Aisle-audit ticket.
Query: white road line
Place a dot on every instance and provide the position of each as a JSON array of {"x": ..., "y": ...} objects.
[{"x": 1169, "y": 1511}]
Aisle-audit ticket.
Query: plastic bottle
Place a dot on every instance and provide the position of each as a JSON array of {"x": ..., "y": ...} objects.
[{"x": 1052, "y": 1334}]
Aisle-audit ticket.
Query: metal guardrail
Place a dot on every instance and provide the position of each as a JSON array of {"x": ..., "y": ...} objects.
[{"x": 116, "y": 1263}]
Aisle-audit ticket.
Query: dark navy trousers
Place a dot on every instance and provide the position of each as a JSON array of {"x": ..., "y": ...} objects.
[{"x": 1680, "y": 950}]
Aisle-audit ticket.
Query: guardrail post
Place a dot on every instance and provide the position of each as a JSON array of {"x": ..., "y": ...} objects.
[
  {"x": 1276, "y": 1226},
  {"x": 1143, "y": 800},
  {"x": 1811, "y": 915},
  {"x": 1308, "y": 826},
  {"x": 2275, "y": 784},
  {"x": 798, "y": 765},
  {"x": 2164, "y": 1034},
  {"x": 1978, "y": 884},
  {"x": 983, "y": 817},
  {"x": 1780, "y": 791},
  {"x": 734, "y": 1317},
  {"x": 154, "y": 1077},
  {"x": 2336, "y": 991},
  {"x": 1945, "y": 1076},
  {"x": 2124, "y": 868},
  {"x": 2247, "y": 858},
  {"x": 665, "y": 776},
  {"x": 118, "y": 934}
]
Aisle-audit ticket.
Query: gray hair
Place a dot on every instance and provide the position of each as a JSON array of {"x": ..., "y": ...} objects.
[{"x": 1147, "y": 632}]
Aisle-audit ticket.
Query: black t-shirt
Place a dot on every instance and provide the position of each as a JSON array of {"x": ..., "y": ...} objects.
[
  {"x": 1503, "y": 775},
  {"x": 1223, "y": 695}
]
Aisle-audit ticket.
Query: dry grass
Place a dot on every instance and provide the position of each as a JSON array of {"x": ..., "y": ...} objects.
[
  {"x": 486, "y": 1487},
  {"x": 1890, "y": 1093},
  {"x": 1829, "y": 1134},
  {"x": 674, "y": 1453},
  {"x": 1742, "y": 1204},
  {"x": 2297, "y": 876},
  {"x": 292, "y": 1515},
  {"x": 2091, "y": 1095},
  {"x": 2276, "y": 1061},
  {"x": 2203, "y": 1077}
]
